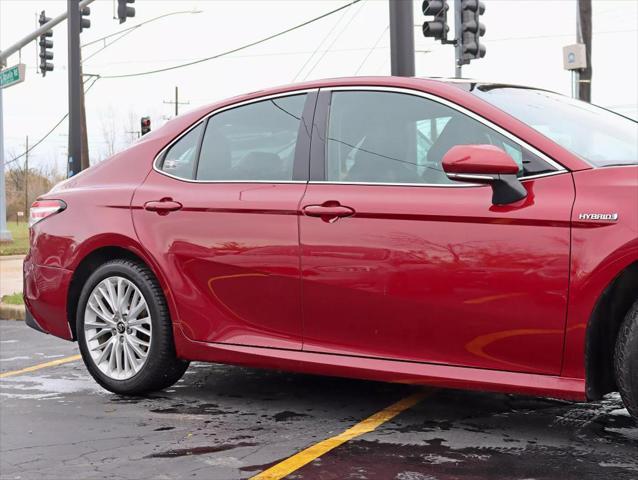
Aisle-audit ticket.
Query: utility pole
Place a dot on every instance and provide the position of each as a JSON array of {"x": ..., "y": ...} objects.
[
  {"x": 458, "y": 47},
  {"x": 84, "y": 157},
  {"x": 583, "y": 35},
  {"x": 176, "y": 101},
  {"x": 5, "y": 234},
  {"x": 74, "y": 165},
  {"x": 26, "y": 178},
  {"x": 402, "y": 37}
]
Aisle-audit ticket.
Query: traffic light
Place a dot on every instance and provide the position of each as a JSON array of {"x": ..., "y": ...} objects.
[
  {"x": 85, "y": 22},
  {"x": 471, "y": 30},
  {"x": 145, "y": 125},
  {"x": 438, "y": 27},
  {"x": 45, "y": 45},
  {"x": 124, "y": 11}
]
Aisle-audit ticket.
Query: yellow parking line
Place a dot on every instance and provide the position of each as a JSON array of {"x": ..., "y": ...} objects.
[
  {"x": 291, "y": 464},
  {"x": 40, "y": 366}
]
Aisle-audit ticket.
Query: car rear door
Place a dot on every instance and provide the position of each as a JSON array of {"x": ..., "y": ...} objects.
[
  {"x": 399, "y": 262},
  {"x": 219, "y": 215}
]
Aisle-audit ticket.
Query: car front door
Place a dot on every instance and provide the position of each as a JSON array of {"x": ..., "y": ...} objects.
[
  {"x": 219, "y": 216},
  {"x": 399, "y": 262}
]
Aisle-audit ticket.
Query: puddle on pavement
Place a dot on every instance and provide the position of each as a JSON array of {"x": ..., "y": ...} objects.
[
  {"x": 183, "y": 452},
  {"x": 288, "y": 415}
]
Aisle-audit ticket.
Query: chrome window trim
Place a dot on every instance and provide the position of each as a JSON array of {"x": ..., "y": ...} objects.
[
  {"x": 437, "y": 185},
  {"x": 520, "y": 142},
  {"x": 215, "y": 112}
]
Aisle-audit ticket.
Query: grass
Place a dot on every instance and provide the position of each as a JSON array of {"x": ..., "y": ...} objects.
[
  {"x": 20, "y": 244},
  {"x": 13, "y": 299}
]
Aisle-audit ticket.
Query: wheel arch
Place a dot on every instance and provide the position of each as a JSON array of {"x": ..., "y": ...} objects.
[
  {"x": 95, "y": 257},
  {"x": 602, "y": 331}
]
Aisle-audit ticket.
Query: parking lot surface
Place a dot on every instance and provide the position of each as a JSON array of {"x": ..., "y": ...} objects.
[{"x": 225, "y": 422}]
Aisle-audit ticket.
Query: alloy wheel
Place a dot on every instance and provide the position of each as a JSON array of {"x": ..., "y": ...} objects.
[{"x": 117, "y": 328}]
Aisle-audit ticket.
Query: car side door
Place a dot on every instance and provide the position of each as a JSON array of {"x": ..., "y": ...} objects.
[
  {"x": 218, "y": 214},
  {"x": 400, "y": 262}
]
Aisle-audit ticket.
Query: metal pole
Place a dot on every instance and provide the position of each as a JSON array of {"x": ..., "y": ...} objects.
[
  {"x": 74, "y": 165},
  {"x": 402, "y": 38},
  {"x": 583, "y": 35},
  {"x": 6, "y": 53},
  {"x": 26, "y": 178},
  {"x": 458, "y": 20},
  {"x": 5, "y": 235}
]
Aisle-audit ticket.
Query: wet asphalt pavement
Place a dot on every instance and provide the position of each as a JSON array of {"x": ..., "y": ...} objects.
[{"x": 223, "y": 422}]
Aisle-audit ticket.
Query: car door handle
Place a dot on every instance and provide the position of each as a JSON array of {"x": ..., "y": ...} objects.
[
  {"x": 328, "y": 211},
  {"x": 163, "y": 206}
]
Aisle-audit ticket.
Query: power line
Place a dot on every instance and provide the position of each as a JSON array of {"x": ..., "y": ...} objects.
[
  {"x": 243, "y": 47},
  {"x": 237, "y": 49},
  {"x": 345, "y": 27},
  {"x": 319, "y": 45},
  {"x": 46, "y": 135},
  {"x": 372, "y": 49},
  {"x": 123, "y": 33}
]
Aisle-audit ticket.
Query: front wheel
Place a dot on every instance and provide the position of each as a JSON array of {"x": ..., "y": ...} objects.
[
  {"x": 626, "y": 361},
  {"x": 124, "y": 330}
]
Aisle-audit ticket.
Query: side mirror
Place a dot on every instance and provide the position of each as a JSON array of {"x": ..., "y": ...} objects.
[{"x": 485, "y": 164}]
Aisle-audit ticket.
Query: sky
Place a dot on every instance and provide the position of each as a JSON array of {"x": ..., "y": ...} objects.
[{"x": 524, "y": 42}]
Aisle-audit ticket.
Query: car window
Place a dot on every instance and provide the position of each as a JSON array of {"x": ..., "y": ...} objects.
[
  {"x": 179, "y": 159},
  {"x": 599, "y": 136},
  {"x": 387, "y": 137},
  {"x": 252, "y": 142}
]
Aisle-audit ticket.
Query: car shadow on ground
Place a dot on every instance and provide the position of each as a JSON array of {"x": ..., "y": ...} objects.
[{"x": 450, "y": 434}]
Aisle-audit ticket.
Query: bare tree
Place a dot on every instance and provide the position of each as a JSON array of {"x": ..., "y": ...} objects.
[
  {"x": 108, "y": 126},
  {"x": 132, "y": 132}
]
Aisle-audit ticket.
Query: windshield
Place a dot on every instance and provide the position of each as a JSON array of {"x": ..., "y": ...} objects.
[{"x": 601, "y": 137}]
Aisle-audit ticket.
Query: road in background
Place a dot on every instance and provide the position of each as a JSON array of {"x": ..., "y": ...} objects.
[{"x": 223, "y": 422}]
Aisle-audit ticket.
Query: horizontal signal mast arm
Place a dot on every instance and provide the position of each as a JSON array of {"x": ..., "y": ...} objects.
[{"x": 4, "y": 54}]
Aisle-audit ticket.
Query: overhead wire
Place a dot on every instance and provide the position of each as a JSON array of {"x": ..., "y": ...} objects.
[
  {"x": 237, "y": 49},
  {"x": 228, "y": 52},
  {"x": 345, "y": 27}
]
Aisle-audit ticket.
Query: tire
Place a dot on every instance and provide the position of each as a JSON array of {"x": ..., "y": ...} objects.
[
  {"x": 147, "y": 344},
  {"x": 626, "y": 361}
]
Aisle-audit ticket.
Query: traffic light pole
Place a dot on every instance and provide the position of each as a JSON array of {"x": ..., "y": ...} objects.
[
  {"x": 458, "y": 47},
  {"x": 5, "y": 234},
  {"x": 74, "y": 165},
  {"x": 11, "y": 49},
  {"x": 401, "y": 38}
]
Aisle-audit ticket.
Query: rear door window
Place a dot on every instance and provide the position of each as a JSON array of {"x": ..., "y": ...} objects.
[
  {"x": 179, "y": 159},
  {"x": 253, "y": 142}
]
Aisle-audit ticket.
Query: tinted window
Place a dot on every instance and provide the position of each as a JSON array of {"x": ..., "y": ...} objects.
[
  {"x": 252, "y": 142},
  {"x": 179, "y": 160},
  {"x": 599, "y": 136},
  {"x": 383, "y": 137}
]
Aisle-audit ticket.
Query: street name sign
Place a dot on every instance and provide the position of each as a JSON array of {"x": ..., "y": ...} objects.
[{"x": 12, "y": 75}]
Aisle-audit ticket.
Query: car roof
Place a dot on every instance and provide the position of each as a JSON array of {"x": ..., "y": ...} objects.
[{"x": 436, "y": 85}]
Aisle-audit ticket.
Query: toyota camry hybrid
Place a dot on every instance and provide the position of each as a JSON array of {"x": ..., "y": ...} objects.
[{"x": 457, "y": 233}]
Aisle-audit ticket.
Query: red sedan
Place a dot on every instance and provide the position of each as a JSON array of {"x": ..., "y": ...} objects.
[{"x": 463, "y": 234}]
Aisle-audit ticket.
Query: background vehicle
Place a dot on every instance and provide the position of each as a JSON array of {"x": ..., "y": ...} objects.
[{"x": 419, "y": 231}]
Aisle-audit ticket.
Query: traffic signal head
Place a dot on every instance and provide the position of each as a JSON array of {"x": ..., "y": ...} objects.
[
  {"x": 471, "y": 30},
  {"x": 145, "y": 125},
  {"x": 45, "y": 44},
  {"x": 124, "y": 11},
  {"x": 85, "y": 22},
  {"x": 437, "y": 27}
]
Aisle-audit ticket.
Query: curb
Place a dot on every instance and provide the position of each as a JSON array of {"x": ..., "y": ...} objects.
[
  {"x": 12, "y": 257},
  {"x": 11, "y": 312}
]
